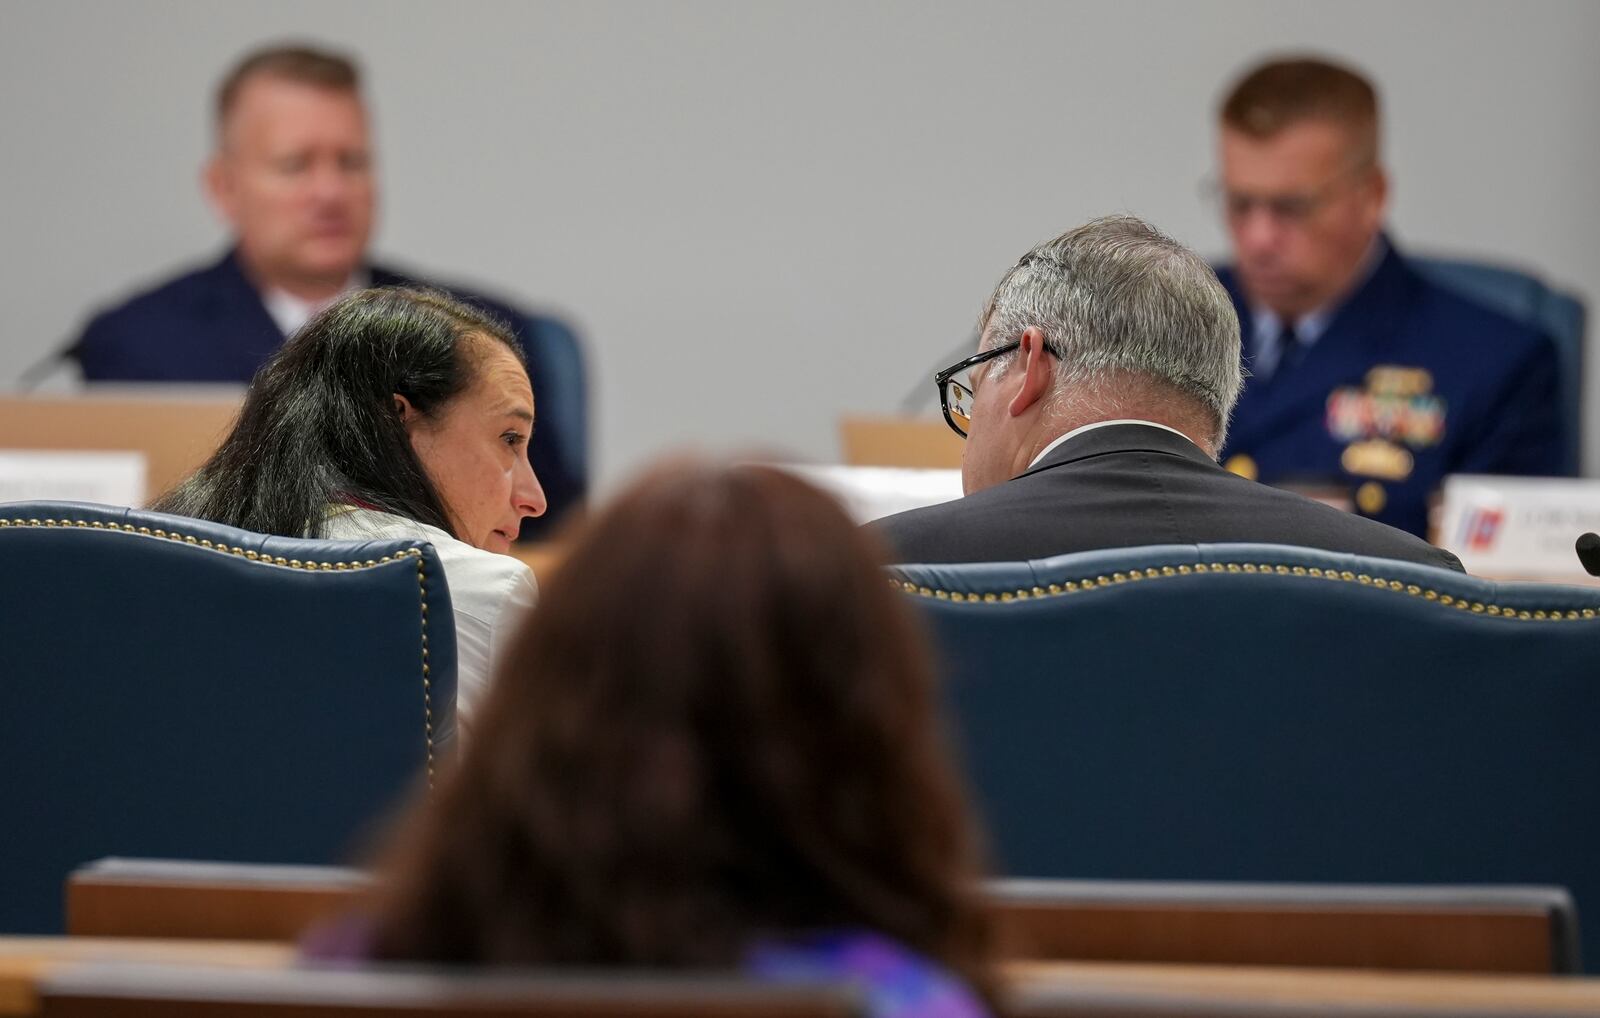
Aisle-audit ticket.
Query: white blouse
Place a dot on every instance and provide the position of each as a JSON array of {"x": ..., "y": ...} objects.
[{"x": 491, "y": 593}]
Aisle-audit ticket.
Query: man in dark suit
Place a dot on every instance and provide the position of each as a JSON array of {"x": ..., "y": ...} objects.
[
  {"x": 1365, "y": 378},
  {"x": 1108, "y": 365},
  {"x": 292, "y": 176}
]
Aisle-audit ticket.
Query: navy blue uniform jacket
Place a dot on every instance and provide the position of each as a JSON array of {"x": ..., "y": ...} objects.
[
  {"x": 1409, "y": 383},
  {"x": 211, "y": 326}
]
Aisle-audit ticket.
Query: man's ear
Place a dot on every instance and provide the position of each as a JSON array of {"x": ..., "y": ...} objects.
[
  {"x": 1377, "y": 201},
  {"x": 1036, "y": 367},
  {"x": 217, "y": 182}
]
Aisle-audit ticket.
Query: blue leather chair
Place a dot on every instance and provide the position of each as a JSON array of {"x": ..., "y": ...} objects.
[
  {"x": 1266, "y": 713},
  {"x": 561, "y": 380},
  {"x": 561, "y": 394},
  {"x": 1527, "y": 299},
  {"x": 178, "y": 688}
]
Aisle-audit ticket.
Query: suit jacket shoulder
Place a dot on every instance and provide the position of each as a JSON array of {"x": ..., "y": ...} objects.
[
  {"x": 1449, "y": 318},
  {"x": 503, "y": 311},
  {"x": 1128, "y": 486},
  {"x": 204, "y": 325}
]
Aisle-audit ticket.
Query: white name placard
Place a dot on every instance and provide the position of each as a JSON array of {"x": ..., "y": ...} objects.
[
  {"x": 869, "y": 493},
  {"x": 1518, "y": 526},
  {"x": 115, "y": 478}
]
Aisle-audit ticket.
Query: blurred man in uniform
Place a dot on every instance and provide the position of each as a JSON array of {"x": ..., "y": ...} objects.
[
  {"x": 1363, "y": 377},
  {"x": 292, "y": 175}
]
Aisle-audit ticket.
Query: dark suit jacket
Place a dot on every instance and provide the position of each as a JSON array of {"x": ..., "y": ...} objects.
[
  {"x": 1488, "y": 400},
  {"x": 1127, "y": 485},
  {"x": 211, "y": 326}
]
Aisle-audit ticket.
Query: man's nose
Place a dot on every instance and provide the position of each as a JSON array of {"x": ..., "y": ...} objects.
[
  {"x": 1257, "y": 230},
  {"x": 527, "y": 494},
  {"x": 330, "y": 182}
]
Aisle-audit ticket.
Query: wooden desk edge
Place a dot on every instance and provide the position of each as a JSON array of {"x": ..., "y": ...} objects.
[
  {"x": 1304, "y": 986},
  {"x": 24, "y": 962}
]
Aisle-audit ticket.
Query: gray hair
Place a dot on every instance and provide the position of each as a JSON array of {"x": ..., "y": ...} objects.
[{"x": 1117, "y": 297}]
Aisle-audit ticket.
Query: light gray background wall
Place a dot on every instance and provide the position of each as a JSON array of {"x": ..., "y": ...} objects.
[{"x": 764, "y": 215}]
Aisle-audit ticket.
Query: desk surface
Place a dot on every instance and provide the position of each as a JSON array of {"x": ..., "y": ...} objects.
[
  {"x": 542, "y": 557},
  {"x": 175, "y": 429},
  {"x": 24, "y": 960},
  {"x": 1331, "y": 988}
]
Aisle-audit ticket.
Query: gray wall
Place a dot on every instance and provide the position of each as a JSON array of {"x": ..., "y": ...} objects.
[{"x": 766, "y": 215}]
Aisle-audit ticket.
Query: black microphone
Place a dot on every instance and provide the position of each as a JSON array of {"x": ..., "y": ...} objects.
[
  {"x": 45, "y": 366},
  {"x": 1589, "y": 553}
]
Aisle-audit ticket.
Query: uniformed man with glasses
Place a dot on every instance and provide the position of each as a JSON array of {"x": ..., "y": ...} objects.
[{"x": 1365, "y": 381}]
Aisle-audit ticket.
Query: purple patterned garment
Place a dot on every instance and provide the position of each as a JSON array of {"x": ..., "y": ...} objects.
[{"x": 898, "y": 983}]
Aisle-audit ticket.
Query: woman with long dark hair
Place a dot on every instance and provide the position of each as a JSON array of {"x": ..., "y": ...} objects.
[
  {"x": 393, "y": 413},
  {"x": 715, "y": 744}
]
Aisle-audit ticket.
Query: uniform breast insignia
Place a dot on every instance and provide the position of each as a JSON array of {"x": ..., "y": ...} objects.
[
  {"x": 1371, "y": 498},
  {"x": 1242, "y": 465},
  {"x": 1381, "y": 422},
  {"x": 1377, "y": 458}
]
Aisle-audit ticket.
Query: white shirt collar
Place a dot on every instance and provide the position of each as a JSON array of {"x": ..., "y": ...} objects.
[
  {"x": 291, "y": 313},
  {"x": 1075, "y": 432},
  {"x": 1309, "y": 327}
]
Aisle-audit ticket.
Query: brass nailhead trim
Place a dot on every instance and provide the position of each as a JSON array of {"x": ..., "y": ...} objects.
[
  {"x": 1313, "y": 572},
  {"x": 252, "y": 556},
  {"x": 427, "y": 682}
]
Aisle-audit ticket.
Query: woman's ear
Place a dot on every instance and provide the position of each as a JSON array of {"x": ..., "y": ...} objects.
[{"x": 404, "y": 410}]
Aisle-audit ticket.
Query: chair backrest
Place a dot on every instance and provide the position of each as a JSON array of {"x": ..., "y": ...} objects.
[
  {"x": 1528, "y": 300},
  {"x": 561, "y": 386},
  {"x": 190, "y": 900},
  {"x": 176, "y": 688},
  {"x": 1266, "y": 713},
  {"x": 1478, "y": 929},
  {"x": 1469, "y": 929},
  {"x": 135, "y": 991}
]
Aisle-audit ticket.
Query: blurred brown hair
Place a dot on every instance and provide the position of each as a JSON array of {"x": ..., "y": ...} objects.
[
  {"x": 719, "y": 726},
  {"x": 303, "y": 64},
  {"x": 1281, "y": 93}
]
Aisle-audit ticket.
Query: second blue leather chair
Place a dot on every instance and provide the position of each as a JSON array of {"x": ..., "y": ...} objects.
[{"x": 1255, "y": 712}]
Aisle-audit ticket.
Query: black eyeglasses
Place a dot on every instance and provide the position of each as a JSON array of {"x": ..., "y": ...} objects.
[
  {"x": 955, "y": 399},
  {"x": 1289, "y": 209}
]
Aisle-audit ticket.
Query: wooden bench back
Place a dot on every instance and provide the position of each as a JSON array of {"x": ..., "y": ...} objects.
[{"x": 1476, "y": 929}]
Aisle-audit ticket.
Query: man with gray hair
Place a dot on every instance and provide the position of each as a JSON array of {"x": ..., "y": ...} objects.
[{"x": 1107, "y": 366}]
